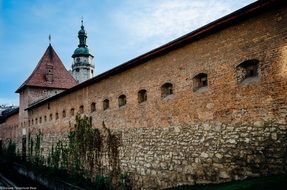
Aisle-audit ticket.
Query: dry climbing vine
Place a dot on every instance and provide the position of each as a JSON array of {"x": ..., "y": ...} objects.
[
  {"x": 88, "y": 153},
  {"x": 113, "y": 151},
  {"x": 83, "y": 153}
]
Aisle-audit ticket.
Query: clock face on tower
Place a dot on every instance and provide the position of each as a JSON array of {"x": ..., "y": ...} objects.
[{"x": 77, "y": 60}]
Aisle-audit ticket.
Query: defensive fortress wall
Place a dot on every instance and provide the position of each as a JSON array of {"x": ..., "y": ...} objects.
[{"x": 211, "y": 108}]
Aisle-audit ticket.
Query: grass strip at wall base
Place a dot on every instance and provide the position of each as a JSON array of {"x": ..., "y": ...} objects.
[{"x": 278, "y": 182}]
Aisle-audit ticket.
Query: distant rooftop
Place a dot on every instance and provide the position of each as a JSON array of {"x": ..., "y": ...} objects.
[{"x": 5, "y": 113}]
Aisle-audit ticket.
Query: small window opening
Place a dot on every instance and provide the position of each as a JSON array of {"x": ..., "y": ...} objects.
[
  {"x": 93, "y": 107},
  {"x": 45, "y": 118},
  {"x": 142, "y": 96},
  {"x": 32, "y": 121},
  {"x": 72, "y": 112},
  {"x": 81, "y": 109},
  {"x": 122, "y": 100},
  {"x": 40, "y": 120},
  {"x": 106, "y": 104},
  {"x": 247, "y": 69},
  {"x": 166, "y": 90},
  {"x": 64, "y": 113},
  {"x": 51, "y": 117},
  {"x": 57, "y": 115},
  {"x": 200, "y": 81}
]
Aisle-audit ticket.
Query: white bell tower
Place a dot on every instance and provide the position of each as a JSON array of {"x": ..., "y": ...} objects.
[{"x": 83, "y": 67}]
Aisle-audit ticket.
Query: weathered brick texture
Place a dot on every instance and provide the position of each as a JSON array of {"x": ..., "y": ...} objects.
[
  {"x": 228, "y": 130},
  {"x": 224, "y": 101},
  {"x": 10, "y": 129}
]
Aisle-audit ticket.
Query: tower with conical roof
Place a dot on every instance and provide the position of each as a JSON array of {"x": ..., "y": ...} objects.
[
  {"x": 49, "y": 78},
  {"x": 82, "y": 67}
]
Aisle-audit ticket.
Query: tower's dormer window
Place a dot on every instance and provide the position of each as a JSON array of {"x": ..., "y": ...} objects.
[{"x": 49, "y": 73}]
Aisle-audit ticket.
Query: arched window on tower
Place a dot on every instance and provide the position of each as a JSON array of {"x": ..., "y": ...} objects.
[
  {"x": 106, "y": 104},
  {"x": 122, "y": 100},
  {"x": 166, "y": 90},
  {"x": 142, "y": 96}
]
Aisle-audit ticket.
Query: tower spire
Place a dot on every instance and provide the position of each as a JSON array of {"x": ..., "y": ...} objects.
[
  {"x": 83, "y": 67},
  {"x": 82, "y": 35},
  {"x": 49, "y": 39}
]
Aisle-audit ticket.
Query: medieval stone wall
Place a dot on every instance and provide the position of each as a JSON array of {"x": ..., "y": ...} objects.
[
  {"x": 10, "y": 128},
  {"x": 29, "y": 96},
  {"x": 23, "y": 104},
  {"x": 202, "y": 153},
  {"x": 36, "y": 94},
  {"x": 226, "y": 130}
]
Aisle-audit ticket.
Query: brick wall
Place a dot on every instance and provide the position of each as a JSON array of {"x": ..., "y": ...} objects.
[
  {"x": 225, "y": 100},
  {"x": 10, "y": 128},
  {"x": 29, "y": 96},
  {"x": 212, "y": 134}
]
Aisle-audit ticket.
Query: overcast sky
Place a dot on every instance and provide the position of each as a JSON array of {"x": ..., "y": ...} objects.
[{"x": 118, "y": 30}]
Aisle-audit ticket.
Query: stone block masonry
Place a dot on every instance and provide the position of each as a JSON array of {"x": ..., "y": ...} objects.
[
  {"x": 162, "y": 157},
  {"x": 202, "y": 153},
  {"x": 210, "y": 111}
]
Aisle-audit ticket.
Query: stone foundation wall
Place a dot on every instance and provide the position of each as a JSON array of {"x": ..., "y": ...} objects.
[
  {"x": 205, "y": 153},
  {"x": 228, "y": 130}
]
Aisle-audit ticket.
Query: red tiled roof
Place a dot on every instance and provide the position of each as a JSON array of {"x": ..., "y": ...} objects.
[{"x": 61, "y": 78}]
